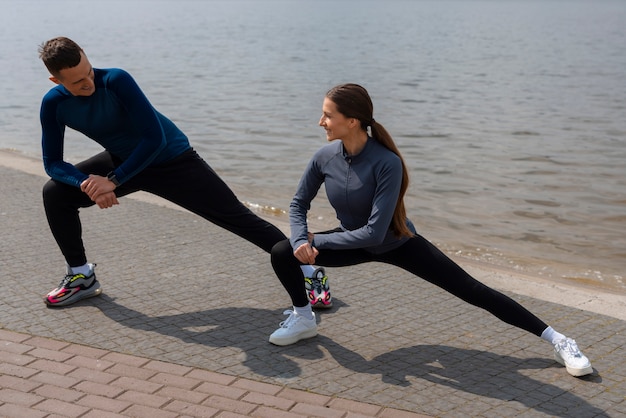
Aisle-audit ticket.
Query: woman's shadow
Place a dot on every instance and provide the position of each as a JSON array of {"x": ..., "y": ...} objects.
[{"x": 478, "y": 372}]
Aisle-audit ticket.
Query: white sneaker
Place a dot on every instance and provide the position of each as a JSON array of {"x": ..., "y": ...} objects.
[
  {"x": 294, "y": 329},
  {"x": 567, "y": 353}
]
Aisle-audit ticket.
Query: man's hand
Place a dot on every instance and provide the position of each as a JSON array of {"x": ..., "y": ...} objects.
[
  {"x": 96, "y": 185},
  {"x": 106, "y": 200},
  {"x": 100, "y": 190},
  {"x": 306, "y": 253}
]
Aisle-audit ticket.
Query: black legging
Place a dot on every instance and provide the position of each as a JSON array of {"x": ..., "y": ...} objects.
[
  {"x": 187, "y": 181},
  {"x": 419, "y": 257}
]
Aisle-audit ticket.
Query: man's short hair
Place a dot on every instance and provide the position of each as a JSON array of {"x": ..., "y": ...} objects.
[{"x": 60, "y": 53}]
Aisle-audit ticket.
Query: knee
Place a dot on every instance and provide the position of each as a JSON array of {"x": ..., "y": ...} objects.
[
  {"x": 59, "y": 194},
  {"x": 281, "y": 250},
  {"x": 50, "y": 191}
]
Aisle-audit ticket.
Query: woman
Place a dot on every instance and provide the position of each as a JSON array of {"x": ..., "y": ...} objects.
[{"x": 365, "y": 179}]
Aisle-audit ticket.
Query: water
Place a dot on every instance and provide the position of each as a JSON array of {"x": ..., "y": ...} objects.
[{"x": 510, "y": 114}]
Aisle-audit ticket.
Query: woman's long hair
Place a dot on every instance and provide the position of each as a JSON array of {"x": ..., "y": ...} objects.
[{"x": 353, "y": 101}]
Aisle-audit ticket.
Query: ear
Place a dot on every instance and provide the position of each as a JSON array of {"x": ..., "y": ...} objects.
[
  {"x": 354, "y": 122},
  {"x": 54, "y": 80}
]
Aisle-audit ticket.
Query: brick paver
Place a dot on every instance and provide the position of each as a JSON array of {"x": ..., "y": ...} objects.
[{"x": 181, "y": 330}]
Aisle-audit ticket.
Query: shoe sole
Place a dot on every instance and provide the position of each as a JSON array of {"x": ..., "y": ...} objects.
[
  {"x": 571, "y": 370},
  {"x": 93, "y": 291},
  {"x": 292, "y": 340},
  {"x": 322, "y": 306}
]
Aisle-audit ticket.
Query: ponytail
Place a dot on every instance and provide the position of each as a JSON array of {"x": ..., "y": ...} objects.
[{"x": 398, "y": 222}]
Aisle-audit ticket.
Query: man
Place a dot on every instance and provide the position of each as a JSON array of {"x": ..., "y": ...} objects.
[{"x": 143, "y": 150}]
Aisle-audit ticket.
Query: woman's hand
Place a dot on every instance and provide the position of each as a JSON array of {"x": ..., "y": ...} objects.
[{"x": 306, "y": 254}]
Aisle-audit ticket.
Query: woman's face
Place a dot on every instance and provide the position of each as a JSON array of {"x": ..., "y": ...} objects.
[{"x": 337, "y": 126}]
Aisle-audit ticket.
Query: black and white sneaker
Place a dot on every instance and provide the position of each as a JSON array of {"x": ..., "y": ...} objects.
[
  {"x": 73, "y": 288},
  {"x": 318, "y": 289}
]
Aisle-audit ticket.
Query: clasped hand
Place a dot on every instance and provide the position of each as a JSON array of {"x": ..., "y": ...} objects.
[
  {"x": 100, "y": 190},
  {"x": 306, "y": 253}
]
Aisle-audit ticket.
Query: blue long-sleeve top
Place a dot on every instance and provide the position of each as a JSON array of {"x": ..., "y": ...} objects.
[
  {"x": 363, "y": 189},
  {"x": 118, "y": 116}
]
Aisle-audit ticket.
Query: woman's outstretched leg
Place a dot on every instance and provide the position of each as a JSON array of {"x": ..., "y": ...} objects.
[{"x": 423, "y": 259}]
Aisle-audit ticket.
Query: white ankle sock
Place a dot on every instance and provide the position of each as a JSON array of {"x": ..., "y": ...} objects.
[
  {"x": 307, "y": 270},
  {"x": 84, "y": 269},
  {"x": 552, "y": 336},
  {"x": 304, "y": 311}
]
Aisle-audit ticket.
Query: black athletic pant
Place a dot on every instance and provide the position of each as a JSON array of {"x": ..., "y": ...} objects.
[
  {"x": 419, "y": 257},
  {"x": 186, "y": 180}
]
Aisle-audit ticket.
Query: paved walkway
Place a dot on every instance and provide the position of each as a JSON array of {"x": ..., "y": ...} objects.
[{"x": 181, "y": 330}]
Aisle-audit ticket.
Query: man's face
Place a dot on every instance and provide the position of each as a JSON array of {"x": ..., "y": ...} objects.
[{"x": 77, "y": 80}]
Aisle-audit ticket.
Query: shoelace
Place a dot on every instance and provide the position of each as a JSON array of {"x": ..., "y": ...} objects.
[
  {"x": 570, "y": 347},
  {"x": 68, "y": 278},
  {"x": 289, "y": 320},
  {"x": 317, "y": 284}
]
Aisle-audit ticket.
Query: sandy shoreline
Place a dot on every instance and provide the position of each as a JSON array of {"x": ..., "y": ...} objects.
[{"x": 590, "y": 299}]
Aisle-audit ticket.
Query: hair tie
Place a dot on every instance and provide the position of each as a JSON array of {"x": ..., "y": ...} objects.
[{"x": 372, "y": 122}]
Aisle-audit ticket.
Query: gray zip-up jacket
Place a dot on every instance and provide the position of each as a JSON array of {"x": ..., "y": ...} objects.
[{"x": 363, "y": 189}]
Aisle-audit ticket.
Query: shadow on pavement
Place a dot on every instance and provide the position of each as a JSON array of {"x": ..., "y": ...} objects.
[{"x": 477, "y": 372}]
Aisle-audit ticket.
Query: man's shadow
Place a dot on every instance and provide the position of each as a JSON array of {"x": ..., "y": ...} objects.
[
  {"x": 477, "y": 372},
  {"x": 238, "y": 327}
]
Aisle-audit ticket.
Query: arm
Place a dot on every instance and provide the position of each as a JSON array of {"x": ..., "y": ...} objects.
[
  {"x": 118, "y": 116},
  {"x": 52, "y": 138},
  {"x": 145, "y": 123},
  {"x": 388, "y": 177},
  {"x": 308, "y": 187}
]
